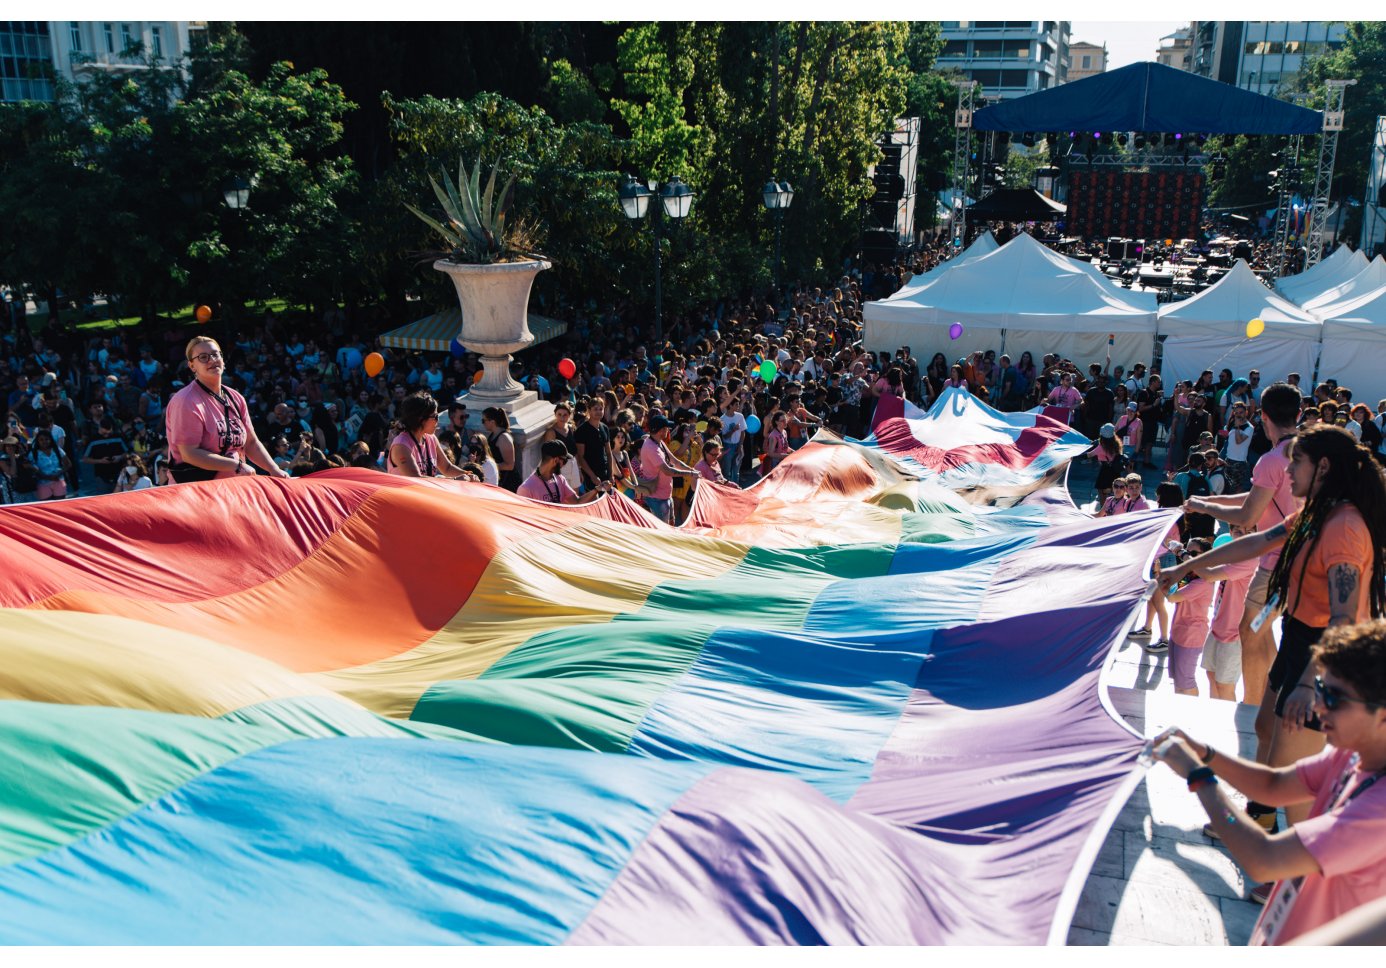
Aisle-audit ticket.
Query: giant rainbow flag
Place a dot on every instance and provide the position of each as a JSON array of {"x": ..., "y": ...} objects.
[{"x": 856, "y": 703}]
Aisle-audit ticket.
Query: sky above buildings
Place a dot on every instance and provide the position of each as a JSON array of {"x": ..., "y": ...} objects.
[{"x": 1127, "y": 42}]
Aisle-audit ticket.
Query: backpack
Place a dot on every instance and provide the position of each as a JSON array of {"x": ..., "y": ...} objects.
[
  {"x": 1120, "y": 465},
  {"x": 1198, "y": 485}
]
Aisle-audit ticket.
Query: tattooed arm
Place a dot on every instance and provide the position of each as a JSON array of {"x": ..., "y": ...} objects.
[{"x": 1344, "y": 589}]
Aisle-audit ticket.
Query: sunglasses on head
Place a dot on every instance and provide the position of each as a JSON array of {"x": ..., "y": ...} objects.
[{"x": 1333, "y": 698}]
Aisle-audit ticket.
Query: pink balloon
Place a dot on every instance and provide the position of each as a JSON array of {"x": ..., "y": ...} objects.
[{"x": 955, "y": 331}]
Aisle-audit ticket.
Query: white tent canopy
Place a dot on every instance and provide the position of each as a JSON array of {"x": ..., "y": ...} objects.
[
  {"x": 1370, "y": 279},
  {"x": 1338, "y": 268},
  {"x": 1354, "y": 347},
  {"x": 1209, "y": 331},
  {"x": 1023, "y": 296},
  {"x": 981, "y": 245}
]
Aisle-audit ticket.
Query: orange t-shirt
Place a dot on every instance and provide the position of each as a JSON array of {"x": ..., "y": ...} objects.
[{"x": 1344, "y": 540}]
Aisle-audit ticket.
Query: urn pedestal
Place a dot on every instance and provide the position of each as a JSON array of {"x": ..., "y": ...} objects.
[{"x": 495, "y": 323}]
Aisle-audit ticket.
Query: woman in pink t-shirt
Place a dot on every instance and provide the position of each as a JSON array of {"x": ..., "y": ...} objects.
[
  {"x": 776, "y": 443},
  {"x": 1335, "y": 860},
  {"x": 209, "y": 430},
  {"x": 415, "y": 451}
]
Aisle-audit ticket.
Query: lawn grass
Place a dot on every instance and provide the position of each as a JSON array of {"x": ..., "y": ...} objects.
[{"x": 183, "y": 316}]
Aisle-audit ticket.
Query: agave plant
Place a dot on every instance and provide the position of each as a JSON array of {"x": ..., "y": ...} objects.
[{"x": 475, "y": 229}]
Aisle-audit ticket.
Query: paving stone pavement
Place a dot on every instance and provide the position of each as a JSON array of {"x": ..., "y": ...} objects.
[{"x": 1157, "y": 879}]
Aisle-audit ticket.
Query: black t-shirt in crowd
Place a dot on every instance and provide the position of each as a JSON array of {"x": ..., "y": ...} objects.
[
  {"x": 107, "y": 447},
  {"x": 1099, "y": 402},
  {"x": 593, "y": 441}
]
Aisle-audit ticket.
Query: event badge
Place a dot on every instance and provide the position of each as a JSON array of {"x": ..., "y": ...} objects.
[
  {"x": 1277, "y": 911},
  {"x": 1264, "y": 613}
]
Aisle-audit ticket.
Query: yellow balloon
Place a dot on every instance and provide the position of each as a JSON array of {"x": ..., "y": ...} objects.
[
  {"x": 701, "y": 426},
  {"x": 1255, "y": 328}
]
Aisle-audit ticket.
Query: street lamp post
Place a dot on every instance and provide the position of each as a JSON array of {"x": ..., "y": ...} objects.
[
  {"x": 676, "y": 201},
  {"x": 777, "y": 195},
  {"x": 235, "y": 193}
]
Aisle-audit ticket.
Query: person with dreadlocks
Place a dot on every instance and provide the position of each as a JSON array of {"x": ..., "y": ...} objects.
[{"x": 1330, "y": 572}]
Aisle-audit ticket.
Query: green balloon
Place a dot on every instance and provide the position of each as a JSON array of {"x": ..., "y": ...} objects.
[{"x": 768, "y": 371}]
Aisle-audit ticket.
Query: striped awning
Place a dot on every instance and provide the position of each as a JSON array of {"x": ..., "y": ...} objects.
[{"x": 437, "y": 332}]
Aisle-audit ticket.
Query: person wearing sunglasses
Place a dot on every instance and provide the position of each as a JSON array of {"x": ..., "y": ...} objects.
[
  {"x": 209, "y": 430},
  {"x": 547, "y": 483},
  {"x": 1331, "y": 571},
  {"x": 415, "y": 451},
  {"x": 1334, "y": 861}
]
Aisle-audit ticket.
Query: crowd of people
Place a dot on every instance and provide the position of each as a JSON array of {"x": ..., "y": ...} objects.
[
  {"x": 95, "y": 413},
  {"x": 1289, "y": 473}
]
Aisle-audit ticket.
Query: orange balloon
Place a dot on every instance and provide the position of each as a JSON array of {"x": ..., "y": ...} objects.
[
  {"x": 374, "y": 364},
  {"x": 630, "y": 389},
  {"x": 203, "y": 313},
  {"x": 476, "y": 377}
]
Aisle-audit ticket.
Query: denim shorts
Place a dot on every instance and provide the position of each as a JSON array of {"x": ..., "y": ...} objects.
[{"x": 658, "y": 507}]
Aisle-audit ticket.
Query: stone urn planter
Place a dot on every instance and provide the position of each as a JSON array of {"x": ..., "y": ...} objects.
[{"x": 495, "y": 323}]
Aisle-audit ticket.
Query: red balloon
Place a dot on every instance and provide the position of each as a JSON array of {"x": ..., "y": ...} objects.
[{"x": 567, "y": 368}]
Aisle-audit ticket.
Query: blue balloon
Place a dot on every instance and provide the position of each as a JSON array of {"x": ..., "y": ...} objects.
[
  {"x": 457, "y": 349},
  {"x": 753, "y": 424},
  {"x": 353, "y": 359}
]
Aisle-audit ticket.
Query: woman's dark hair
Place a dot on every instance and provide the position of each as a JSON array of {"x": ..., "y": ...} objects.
[
  {"x": 1357, "y": 655},
  {"x": 894, "y": 377},
  {"x": 1168, "y": 495},
  {"x": 1353, "y": 476},
  {"x": 415, "y": 409},
  {"x": 497, "y": 416}
]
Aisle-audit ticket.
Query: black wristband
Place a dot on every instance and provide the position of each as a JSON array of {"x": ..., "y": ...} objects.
[{"x": 1200, "y": 775}]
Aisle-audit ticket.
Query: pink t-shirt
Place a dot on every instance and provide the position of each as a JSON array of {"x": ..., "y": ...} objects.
[
  {"x": 652, "y": 465},
  {"x": 1062, "y": 396},
  {"x": 1272, "y": 472},
  {"x": 556, "y": 490},
  {"x": 1231, "y": 600},
  {"x": 1348, "y": 843},
  {"x": 1128, "y": 431},
  {"x": 425, "y": 454},
  {"x": 709, "y": 472},
  {"x": 1189, "y": 629},
  {"x": 195, "y": 418}
]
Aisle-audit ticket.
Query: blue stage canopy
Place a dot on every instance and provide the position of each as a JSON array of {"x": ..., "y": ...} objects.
[{"x": 1148, "y": 97}]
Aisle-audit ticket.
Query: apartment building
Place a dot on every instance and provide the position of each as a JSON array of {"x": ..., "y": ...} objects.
[
  {"x": 1176, "y": 49},
  {"x": 1264, "y": 56},
  {"x": 1009, "y": 58},
  {"x": 1085, "y": 60},
  {"x": 32, "y": 51}
]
